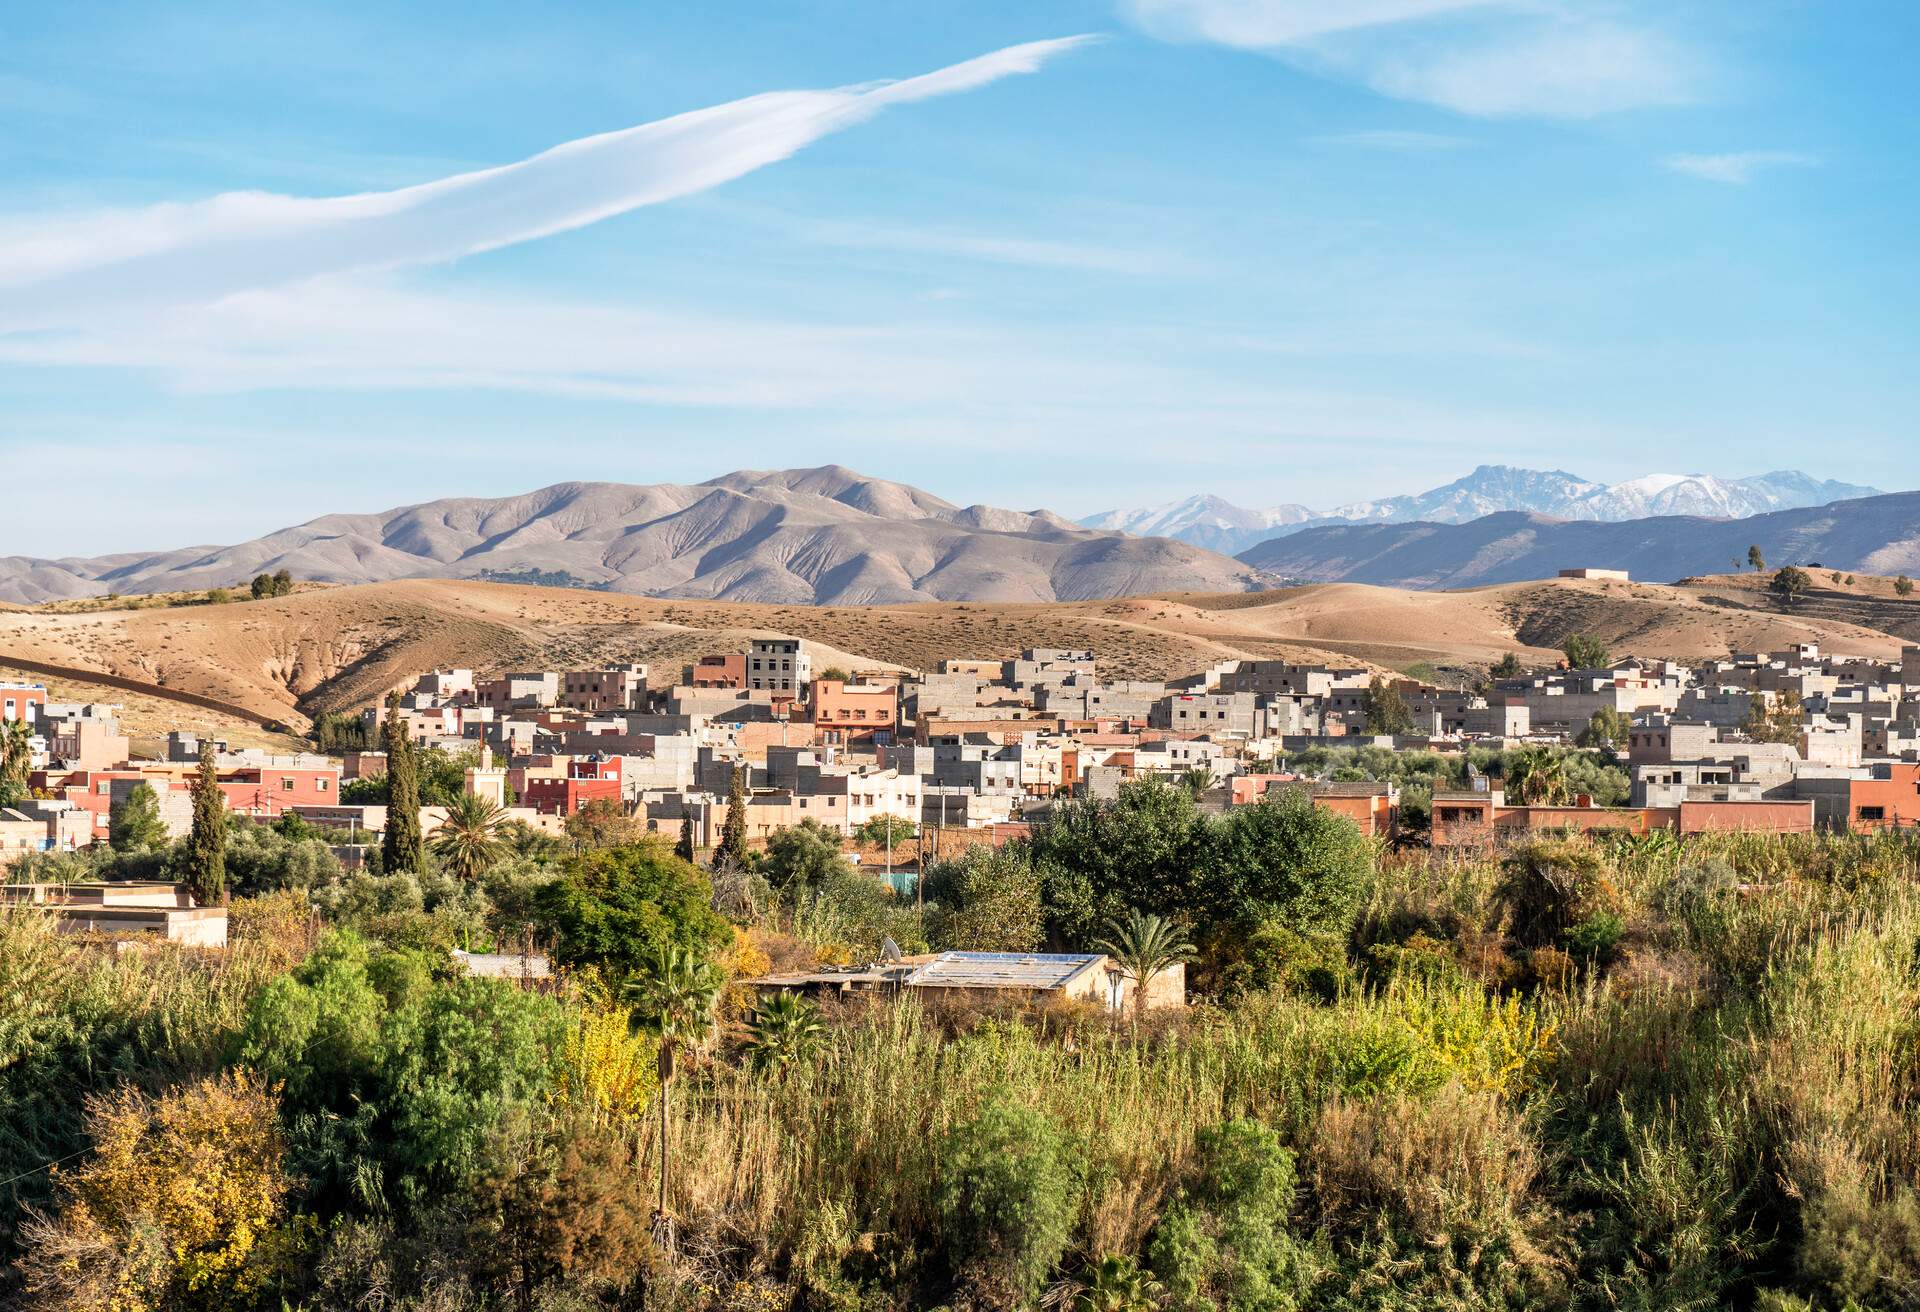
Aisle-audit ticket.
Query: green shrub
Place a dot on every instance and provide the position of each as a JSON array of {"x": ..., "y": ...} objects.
[
  {"x": 1548, "y": 886},
  {"x": 1225, "y": 1241},
  {"x": 988, "y": 900},
  {"x": 1009, "y": 1190}
]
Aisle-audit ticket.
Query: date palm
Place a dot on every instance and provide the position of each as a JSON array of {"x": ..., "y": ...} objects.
[
  {"x": 1143, "y": 946},
  {"x": 1198, "y": 780},
  {"x": 469, "y": 840},
  {"x": 677, "y": 992},
  {"x": 1120, "y": 1284},
  {"x": 1536, "y": 777},
  {"x": 16, "y": 754},
  {"x": 783, "y": 1030}
]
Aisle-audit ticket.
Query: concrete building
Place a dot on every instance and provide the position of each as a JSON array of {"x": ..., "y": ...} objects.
[
  {"x": 780, "y": 666},
  {"x": 1220, "y": 714},
  {"x": 1035, "y": 977},
  {"x": 620, "y": 688},
  {"x": 143, "y": 910}
]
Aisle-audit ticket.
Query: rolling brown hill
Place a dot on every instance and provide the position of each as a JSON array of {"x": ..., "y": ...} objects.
[
  {"x": 340, "y": 648},
  {"x": 825, "y": 536}
]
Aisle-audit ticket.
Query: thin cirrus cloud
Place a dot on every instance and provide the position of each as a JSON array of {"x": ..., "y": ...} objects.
[
  {"x": 1735, "y": 168},
  {"x": 1039, "y": 253},
  {"x": 1486, "y": 58},
  {"x": 72, "y": 271}
]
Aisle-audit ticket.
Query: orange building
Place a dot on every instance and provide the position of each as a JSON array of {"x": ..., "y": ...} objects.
[
  {"x": 855, "y": 712},
  {"x": 1888, "y": 803},
  {"x": 1746, "y": 817},
  {"x": 1369, "y": 805},
  {"x": 1476, "y": 819}
]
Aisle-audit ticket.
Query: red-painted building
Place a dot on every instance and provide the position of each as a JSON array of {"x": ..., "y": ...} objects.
[
  {"x": 723, "y": 671},
  {"x": 87, "y": 790},
  {"x": 269, "y": 791},
  {"x": 587, "y": 780}
]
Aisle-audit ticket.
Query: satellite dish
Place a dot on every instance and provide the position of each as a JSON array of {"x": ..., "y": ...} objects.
[{"x": 889, "y": 950}]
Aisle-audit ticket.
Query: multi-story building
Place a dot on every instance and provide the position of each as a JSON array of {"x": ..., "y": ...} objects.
[
  {"x": 621, "y": 688},
  {"x": 591, "y": 780},
  {"x": 21, "y": 701},
  {"x": 855, "y": 712},
  {"x": 722, "y": 670},
  {"x": 779, "y": 666}
]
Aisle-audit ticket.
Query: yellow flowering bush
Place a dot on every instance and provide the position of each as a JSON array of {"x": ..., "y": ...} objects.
[
  {"x": 181, "y": 1202},
  {"x": 610, "y": 1071},
  {"x": 1500, "y": 1045}
]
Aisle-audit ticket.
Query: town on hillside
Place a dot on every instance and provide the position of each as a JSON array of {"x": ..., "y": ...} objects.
[{"x": 902, "y": 768}]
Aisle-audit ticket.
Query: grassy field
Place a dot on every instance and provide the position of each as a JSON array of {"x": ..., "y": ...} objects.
[{"x": 1641, "y": 1073}]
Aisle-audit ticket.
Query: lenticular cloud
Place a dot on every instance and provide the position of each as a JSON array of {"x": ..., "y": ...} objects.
[{"x": 64, "y": 272}]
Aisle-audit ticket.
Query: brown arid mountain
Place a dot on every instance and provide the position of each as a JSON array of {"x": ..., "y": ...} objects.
[
  {"x": 1871, "y": 535},
  {"x": 283, "y": 660},
  {"x": 826, "y": 536}
]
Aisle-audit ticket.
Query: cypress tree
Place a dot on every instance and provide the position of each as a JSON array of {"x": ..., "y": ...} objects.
[
  {"x": 732, "y": 854},
  {"x": 684, "y": 848},
  {"x": 402, "y": 849},
  {"x": 206, "y": 854}
]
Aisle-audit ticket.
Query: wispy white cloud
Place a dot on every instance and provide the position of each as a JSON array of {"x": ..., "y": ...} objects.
[
  {"x": 1281, "y": 22},
  {"x": 1555, "y": 68},
  {"x": 1091, "y": 257},
  {"x": 1488, "y": 58},
  {"x": 357, "y": 333},
  {"x": 1735, "y": 168},
  {"x": 62, "y": 270}
]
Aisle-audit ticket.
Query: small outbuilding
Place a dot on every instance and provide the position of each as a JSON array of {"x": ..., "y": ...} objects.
[{"x": 1089, "y": 977}]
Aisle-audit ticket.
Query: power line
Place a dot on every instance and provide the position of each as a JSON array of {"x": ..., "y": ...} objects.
[{"x": 44, "y": 1166}]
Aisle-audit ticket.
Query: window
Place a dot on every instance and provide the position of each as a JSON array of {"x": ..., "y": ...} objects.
[
  {"x": 320, "y": 785},
  {"x": 1873, "y": 813},
  {"x": 286, "y": 785}
]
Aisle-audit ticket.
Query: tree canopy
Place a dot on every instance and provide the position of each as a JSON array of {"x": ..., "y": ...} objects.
[
  {"x": 617, "y": 907},
  {"x": 1586, "y": 653}
]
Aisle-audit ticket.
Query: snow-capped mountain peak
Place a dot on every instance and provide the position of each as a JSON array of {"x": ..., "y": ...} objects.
[{"x": 1209, "y": 521}]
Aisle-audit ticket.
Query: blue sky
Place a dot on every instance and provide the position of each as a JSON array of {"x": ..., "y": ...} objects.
[{"x": 1281, "y": 250}]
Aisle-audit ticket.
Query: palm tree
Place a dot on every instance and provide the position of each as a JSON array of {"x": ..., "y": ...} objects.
[
  {"x": 469, "y": 839},
  {"x": 16, "y": 754},
  {"x": 1120, "y": 1284},
  {"x": 1198, "y": 780},
  {"x": 782, "y": 1030},
  {"x": 679, "y": 991},
  {"x": 1536, "y": 777},
  {"x": 1142, "y": 946}
]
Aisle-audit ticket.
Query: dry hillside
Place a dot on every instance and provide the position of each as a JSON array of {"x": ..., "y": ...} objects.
[
  {"x": 339, "y": 648},
  {"x": 147, "y": 718},
  {"x": 825, "y": 536}
]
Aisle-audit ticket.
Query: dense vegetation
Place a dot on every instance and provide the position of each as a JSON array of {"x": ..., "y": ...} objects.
[{"x": 1636, "y": 1072}]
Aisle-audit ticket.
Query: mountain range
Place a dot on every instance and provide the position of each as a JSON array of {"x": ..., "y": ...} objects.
[
  {"x": 830, "y": 536},
  {"x": 1219, "y": 525},
  {"x": 1872, "y": 535},
  {"x": 825, "y": 536}
]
